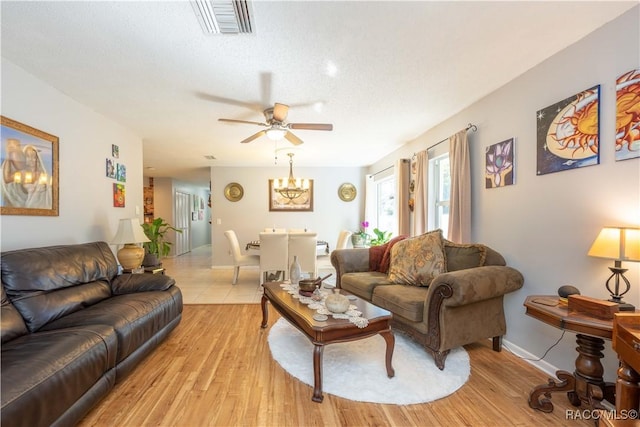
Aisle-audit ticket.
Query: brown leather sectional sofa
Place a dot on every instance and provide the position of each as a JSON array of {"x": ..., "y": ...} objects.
[{"x": 72, "y": 328}]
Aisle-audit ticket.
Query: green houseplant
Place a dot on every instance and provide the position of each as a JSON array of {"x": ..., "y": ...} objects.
[
  {"x": 381, "y": 237},
  {"x": 157, "y": 246}
]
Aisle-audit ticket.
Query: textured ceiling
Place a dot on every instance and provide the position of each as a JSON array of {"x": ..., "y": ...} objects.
[{"x": 384, "y": 72}]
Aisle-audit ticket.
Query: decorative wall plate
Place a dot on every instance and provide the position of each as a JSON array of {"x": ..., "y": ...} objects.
[
  {"x": 233, "y": 192},
  {"x": 347, "y": 192}
]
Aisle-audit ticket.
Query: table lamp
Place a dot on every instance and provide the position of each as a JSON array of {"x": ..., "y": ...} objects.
[
  {"x": 619, "y": 244},
  {"x": 129, "y": 233}
]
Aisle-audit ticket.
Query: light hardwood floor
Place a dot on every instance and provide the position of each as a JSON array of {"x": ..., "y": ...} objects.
[{"x": 215, "y": 369}]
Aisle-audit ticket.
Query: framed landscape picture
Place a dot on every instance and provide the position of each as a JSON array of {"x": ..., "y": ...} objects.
[
  {"x": 29, "y": 161},
  {"x": 279, "y": 203}
]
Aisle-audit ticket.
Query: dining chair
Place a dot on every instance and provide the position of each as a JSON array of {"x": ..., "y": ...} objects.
[
  {"x": 274, "y": 230},
  {"x": 303, "y": 245},
  {"x": 343, "y": 239},
  {"x": 274, "y": 256},
  {"x": 239, "y": 260}
]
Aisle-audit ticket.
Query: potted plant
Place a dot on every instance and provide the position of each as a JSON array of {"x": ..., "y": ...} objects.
[
  {"x": 381, "y": 237},
  {"x": 361, "y": 239},
  {"x": 157, "y": 246}
]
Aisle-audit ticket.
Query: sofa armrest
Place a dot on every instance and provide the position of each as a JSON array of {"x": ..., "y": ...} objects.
[
  {"x": 476, "y": 284},
  {"x": 349, "y": 261},
  {"x": 131, "y": 283}
]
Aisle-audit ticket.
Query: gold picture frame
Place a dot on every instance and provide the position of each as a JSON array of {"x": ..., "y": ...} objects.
[
  {"x": 30, "y": 178},
  {"x": 278, "y": 203}
]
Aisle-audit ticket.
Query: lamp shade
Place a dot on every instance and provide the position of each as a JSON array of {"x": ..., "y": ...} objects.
[
  {"x": 129, "y": 231},
  {"x": 619, "y": 243}
]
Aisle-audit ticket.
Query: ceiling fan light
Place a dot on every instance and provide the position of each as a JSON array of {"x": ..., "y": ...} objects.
[{"x": 275, "y": 134}]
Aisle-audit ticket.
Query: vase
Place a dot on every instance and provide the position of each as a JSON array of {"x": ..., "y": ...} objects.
[
  {"x": 336, "y": 302},
  {"x": 360, "y": 241},
  {"x": 295, "y": 271}
]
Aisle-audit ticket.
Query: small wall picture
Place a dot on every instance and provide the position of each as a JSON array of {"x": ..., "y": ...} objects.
[
  {"x": 121, "y": 173},
  {"x": 115, "y": 151},
  {"x": 118, "y": 195},
  {"x": 628, "y": 115},
  {"x": 499, "y": 168},
  {"x": 568, "y": 133},
  {"x": 110, "y": 169}
]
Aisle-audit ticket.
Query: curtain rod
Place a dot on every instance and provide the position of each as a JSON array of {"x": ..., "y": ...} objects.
[
  {"x": 387, "y": 168},
  {"x": 469, "y": 126}
]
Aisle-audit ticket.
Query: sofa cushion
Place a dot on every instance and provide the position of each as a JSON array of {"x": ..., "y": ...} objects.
[
  {"x": 417, "y": 260},
  {"x": 131, "y": 283},
  {"x": 47, "y": 283},
  {"x": 11, "y": 323},
  {"x": 386, "y": 257},
  {"x": 135, "y": 317},
  {"x": 375, "y": 256},
  {"x": 45, "y": 373},
  {"x": 462, "y": 256},
  {"x": 402, "y": 300},
  {"x": 363, "y": 283}
]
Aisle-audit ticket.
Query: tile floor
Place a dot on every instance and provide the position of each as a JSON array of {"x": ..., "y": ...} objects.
[{"x": 202, "y": 284}]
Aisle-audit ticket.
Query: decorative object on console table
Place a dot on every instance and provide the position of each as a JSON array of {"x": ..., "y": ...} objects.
[
  {"x": 157, "y": 246},
  {"x": 129, "y": 234},
  {"x": 295, "y": 271},
  {"x": 592, "y": 306},
  {"x": 619, "y": 244}
]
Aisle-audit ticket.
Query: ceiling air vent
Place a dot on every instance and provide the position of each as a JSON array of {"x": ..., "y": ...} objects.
[{"x": 224, "y": 16}]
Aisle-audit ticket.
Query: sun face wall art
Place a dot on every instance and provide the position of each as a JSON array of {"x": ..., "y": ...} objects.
[
  {"x": 568, "y": 133},
  {"x": 628, "y": 115}
]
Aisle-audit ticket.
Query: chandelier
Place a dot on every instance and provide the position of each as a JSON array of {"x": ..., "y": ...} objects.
[{"x": 291, "y": 188}]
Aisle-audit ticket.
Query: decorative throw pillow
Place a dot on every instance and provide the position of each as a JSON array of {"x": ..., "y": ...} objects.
[
  {"x": 461, "y": 256},
  {"x": 386, "y": 257},
  {"x": 375, "y": 256},
  {"x": 416, "y": 261}
]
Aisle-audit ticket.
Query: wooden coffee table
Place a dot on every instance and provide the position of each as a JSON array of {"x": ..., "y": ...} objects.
[{"x": 329, "y": 331}]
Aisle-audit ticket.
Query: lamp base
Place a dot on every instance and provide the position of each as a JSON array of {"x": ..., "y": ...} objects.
[
  {"x": 130, "y": 256},
  {"x": 625, "y": 306}
]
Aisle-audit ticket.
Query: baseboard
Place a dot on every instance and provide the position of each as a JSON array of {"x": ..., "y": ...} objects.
[{"x": 531, "y": 359}]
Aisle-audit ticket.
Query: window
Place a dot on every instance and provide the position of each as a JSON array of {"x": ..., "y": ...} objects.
[
  {"x": 381, "y": 203},
  {"x": 439, "y": 191}
]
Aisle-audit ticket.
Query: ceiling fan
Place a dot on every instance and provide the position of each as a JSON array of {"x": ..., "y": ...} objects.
[{"x": 277, "y": 127}]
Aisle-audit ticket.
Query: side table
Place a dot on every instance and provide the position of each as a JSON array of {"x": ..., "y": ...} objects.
[{"x": 586, "y": 384}]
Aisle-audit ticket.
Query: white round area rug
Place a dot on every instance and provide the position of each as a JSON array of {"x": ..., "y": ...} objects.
[{"x": 356, "y": 370}]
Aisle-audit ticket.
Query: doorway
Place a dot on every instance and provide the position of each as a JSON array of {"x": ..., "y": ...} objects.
[{"x": 183, "y": 223}]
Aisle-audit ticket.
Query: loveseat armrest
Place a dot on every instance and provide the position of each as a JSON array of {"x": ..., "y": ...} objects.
[
  {"x": 475, "y": 284},
  {"x": 349, "y": 261},
  {"x": 132, "y": 283}
]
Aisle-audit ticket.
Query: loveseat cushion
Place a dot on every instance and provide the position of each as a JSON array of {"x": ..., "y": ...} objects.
[
  {"x": 402, "y": 300},
  {"x": 11, "y": 323},
  {"x": 135, "y": 317},
  {"x": 417, "y": 260},
  {"x": 363, "y": 283},
  {"x": 45, "y": 373},
  {"x": 50, "y": 282},
  {"x": 462, "y": 256}
]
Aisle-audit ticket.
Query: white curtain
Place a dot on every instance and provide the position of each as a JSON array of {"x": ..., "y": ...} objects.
[
  {"x": 420, "y": 194},
  {"x": 402, "y": 176},
  {"x": 460, "y": 198}
]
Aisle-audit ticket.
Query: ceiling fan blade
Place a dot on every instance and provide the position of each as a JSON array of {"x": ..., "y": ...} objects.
[
  {"x": 220, "y": 99},
  {"x": 280, "y": 112},
  {"x": 311, "y": 126},
  {"x": 254, "y": 136},
  {"x": 242, "y": 121},
  {"x": 293, "y": 139}
]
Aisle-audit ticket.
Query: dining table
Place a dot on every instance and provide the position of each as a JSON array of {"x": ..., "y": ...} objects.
[{"x": 322, "y": 247}]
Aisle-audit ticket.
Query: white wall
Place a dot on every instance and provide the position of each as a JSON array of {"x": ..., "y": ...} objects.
[
  {"x": 86, "y": 211},
  {"x": 544, "y": 225},
  {"x": 251, "y": 214}
]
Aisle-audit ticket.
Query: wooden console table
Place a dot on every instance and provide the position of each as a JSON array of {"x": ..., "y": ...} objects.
[{"x": 586, "y": 384}]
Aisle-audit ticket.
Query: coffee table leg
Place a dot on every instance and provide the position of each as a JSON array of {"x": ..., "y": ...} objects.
[
  {"x": 317, "y": 372},
  {"x": 265, "y": 312},
  {"x": 391, "y": 342}
]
